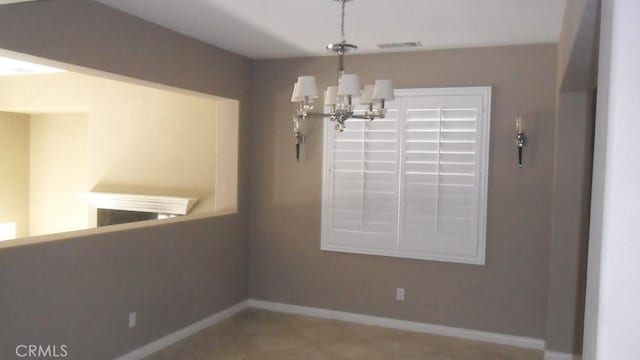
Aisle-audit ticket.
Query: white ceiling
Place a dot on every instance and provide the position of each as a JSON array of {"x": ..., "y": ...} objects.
[{"x": 289, "y": 28}]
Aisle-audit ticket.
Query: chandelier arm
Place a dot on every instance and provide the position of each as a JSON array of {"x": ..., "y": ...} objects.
[
  {"x": 364, "y": 117},
  {"x": 313, "y": 115},
  {"x": 345, "y": 116}
]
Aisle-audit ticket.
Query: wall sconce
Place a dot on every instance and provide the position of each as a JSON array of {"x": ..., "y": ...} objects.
[
  {"x": 520, "y": 138},
  {"x": 298, "y": 133}
]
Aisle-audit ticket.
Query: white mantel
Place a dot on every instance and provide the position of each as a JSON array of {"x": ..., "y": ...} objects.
[{"x": 146, "y": 203}]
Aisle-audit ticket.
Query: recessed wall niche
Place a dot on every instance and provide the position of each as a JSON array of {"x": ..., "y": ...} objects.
[{"x": 69, "y": 134}]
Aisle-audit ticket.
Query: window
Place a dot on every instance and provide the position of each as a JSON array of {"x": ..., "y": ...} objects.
[
  {"x": 7, "y": 231},
  {"x": 414, "y": 184}
]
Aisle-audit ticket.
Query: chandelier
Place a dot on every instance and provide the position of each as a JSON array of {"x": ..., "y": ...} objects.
[{"x": 338, "y": 100}]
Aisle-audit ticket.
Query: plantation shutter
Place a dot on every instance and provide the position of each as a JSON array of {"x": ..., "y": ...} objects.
[
  {"x": 363, "y": 182},
  {"x": 413, "y": 184},
  {"x": 440, "y": 190}
]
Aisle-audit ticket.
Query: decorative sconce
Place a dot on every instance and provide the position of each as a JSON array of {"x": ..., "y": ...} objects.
[
  {"x": 298, "y": 133},
  {"x": 520, "y": 138}
]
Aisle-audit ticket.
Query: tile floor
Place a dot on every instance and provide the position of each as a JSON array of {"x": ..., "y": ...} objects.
[{"x": 259, "y": 334}]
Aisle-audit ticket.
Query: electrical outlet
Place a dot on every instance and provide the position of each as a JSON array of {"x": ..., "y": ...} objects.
[
  {"x": 400, "y": 294},
  {"x": 132, "y": 320}
]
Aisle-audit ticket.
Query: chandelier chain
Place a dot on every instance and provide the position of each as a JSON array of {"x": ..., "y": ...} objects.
[
  {"x": 342, "y": 21},
  {"x": 338, "y": 99}
]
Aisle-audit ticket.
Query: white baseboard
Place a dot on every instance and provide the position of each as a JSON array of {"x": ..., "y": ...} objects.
[
  {"x": 503, "y": 339},
  {"x": 523, "y": 342},
  {"x": 552, "y": 355},
  {"x": 172, "y": 338}
]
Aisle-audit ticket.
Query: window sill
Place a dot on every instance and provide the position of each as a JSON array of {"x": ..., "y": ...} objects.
[{"x": 407, "y": 254}]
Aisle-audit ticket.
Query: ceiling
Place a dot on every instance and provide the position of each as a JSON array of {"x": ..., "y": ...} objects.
[{"x": 290, "y": 28}]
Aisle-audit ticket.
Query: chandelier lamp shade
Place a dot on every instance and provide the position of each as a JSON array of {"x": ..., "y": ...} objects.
[{"x": 338, "y": 99}]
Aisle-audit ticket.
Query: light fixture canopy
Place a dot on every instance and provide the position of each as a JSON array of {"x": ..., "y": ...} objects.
[{"x": 338, "y": 99}]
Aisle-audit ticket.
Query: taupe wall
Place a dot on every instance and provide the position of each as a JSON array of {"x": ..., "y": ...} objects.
[
  {"x": 570, "y": 221},
  {"x": 578, "y": 45},
  {"x": 79, "y": 291},
  {"x": 508, "y": 295},
  {"x": 577, "y": 64}
]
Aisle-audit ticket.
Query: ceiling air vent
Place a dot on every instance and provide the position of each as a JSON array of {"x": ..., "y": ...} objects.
[{"x": 400, "y": 45}]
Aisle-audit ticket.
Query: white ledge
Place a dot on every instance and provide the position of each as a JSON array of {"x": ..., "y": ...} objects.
[{"x": 146, "y": 203}]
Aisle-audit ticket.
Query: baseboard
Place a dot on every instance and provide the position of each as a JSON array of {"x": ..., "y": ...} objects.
[
  {"x": 172, "y": 338},
  {"x": 552, "y": 355},
  {"x": 523, "y": 342},
  {"x": 496, "y": 338}
]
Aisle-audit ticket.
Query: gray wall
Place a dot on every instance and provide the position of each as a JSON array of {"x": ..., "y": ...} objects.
[
  {"x": 577, "y": 64},
  {"x": 508, "y": 295},
  {"x": 578, "y": 45},
  {"x": 79, "y": 291},
  {"x": 570, "y": 221}
]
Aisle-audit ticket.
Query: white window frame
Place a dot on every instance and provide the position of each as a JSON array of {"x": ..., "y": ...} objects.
[{"x": 483, "y": 163}]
